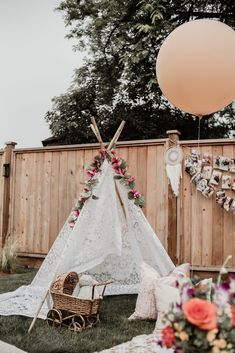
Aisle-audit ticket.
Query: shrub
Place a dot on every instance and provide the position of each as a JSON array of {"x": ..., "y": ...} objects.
[{"x": 8, "y": 256}]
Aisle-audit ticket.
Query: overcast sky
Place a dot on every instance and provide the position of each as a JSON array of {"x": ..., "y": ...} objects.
[{"x": 36, "y": 64}]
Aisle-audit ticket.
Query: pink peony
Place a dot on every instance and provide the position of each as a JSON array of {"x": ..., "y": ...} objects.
[
  {"x": 136, "y": 193},
  {"x": 92, "y": 172},
  {"x": 116, "y": 162},
  {"x": 118, "y": 171}
]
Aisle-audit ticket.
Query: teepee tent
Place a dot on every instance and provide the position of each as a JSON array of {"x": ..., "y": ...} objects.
[{"x": 106, "y": 235}]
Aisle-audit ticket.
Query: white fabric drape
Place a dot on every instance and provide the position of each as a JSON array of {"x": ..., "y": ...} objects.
[{"x": 105, "y": 242}]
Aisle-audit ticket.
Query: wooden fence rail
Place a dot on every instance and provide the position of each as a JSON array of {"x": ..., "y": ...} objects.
[{"x": 44, "y": 184}]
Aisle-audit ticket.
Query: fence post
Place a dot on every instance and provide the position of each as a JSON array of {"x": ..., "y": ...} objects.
[
  {"x": 6, "y": 171},
  {"x": 173, "y": 139}
]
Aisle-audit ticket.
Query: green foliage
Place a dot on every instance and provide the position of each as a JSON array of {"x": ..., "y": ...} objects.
[
  {"x": 118, "y": 79},
  {"x": 8, "y": 256}
]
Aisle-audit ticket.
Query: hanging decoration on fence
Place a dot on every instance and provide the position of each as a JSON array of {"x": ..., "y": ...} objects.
[
  {"x": 173, "y": 160},
  {"x": 213, "y": 175}
]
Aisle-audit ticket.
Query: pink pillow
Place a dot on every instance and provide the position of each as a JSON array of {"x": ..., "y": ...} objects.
[{"x": 146, "y": 303}]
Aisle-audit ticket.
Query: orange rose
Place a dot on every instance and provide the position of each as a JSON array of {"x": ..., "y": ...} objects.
[
  {"x": 201, "y": 313},
  {"x": 233, "y": 315}
]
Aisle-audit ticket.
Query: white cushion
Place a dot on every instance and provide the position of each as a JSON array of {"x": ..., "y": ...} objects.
[{"x": 165, "y": 296}]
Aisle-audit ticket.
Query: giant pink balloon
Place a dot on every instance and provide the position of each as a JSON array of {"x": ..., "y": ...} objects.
[{"x": 196, "y": 66}]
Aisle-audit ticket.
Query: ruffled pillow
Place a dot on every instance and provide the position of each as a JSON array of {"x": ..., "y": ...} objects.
[{"x": 146, "y": 305}]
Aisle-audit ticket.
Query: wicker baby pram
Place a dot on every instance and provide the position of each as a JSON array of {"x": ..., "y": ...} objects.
[{"x": 75, "y": 313}]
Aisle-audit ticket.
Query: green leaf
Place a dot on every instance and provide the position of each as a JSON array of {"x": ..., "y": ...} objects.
[
  {"x": 141, "y": 201},
  {"x": 95, "y": 197},
  {"x": 118, "y": 177},
  {"x": 123, "y": 165},
  {"x": 144, "y": 28},
  {"x": 131, "y": 185}
]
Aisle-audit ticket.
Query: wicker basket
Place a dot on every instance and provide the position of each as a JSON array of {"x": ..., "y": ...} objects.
[
  {"x": 78, "y": 306},
  {"x": 61, "y": 292},
  {"x": 65, "y": 283}
]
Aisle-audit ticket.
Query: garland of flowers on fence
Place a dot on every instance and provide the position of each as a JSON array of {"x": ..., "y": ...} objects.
[
  {"x": 120, "y": 167},
  {"x": 206, "y": 179}
]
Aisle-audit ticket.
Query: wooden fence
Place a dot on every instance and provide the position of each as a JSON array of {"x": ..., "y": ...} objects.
[
  {"x": 206, "y": 232},
  {"x": 44, "y": 184}
]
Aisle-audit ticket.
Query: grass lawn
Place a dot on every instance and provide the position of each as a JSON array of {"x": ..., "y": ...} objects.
[{"x": 114, "y": 327}]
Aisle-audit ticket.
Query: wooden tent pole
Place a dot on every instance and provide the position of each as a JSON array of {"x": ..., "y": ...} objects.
[
  {"x": 96, "y": 131},
  {"x": 120, "y": 199},
  {"x": 38, "y": 310},
  {"x": 116, "y": 136}
]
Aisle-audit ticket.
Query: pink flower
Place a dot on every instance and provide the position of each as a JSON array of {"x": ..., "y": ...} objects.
[
  {"x": 86, "y": 190},
  {"x": 71, "y": 224},
  {"x": 102, "y": 152},
  {"x": 135, "y": 193},
  {"x": 168, "y": 336},
  {"x": 118, "y": 171},
  {"x": 92, "y": 172},
  {"x": 76, "y": 212},
  {"x": 116, "y": 162},
  {"x": 95, "y": 161},
  {"x": 233, "y": 315},
  {"x": 131, "y": 179},
  {"x": 113, "y": 152}
]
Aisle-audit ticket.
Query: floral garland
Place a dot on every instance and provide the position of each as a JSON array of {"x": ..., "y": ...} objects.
[
  {"x": 197, "y": 324},
  {"x": 121, "y": 174}
]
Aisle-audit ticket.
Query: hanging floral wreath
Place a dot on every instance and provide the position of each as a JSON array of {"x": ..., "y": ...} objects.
[{"x": 120, "y": 168}]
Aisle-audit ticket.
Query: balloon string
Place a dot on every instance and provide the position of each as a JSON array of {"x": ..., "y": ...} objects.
[
  {"x": 198, "y": 149},
  {"x": 199, "y": 132}
]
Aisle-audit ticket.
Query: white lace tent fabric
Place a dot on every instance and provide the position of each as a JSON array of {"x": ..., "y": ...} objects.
[{"x": 109, "y": 240}]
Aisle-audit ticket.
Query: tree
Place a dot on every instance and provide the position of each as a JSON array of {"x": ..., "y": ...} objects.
[{"x": 118, "y": 79}]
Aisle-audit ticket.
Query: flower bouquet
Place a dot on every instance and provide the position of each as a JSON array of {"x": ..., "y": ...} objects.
[{"x": 199, "y": 325}]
